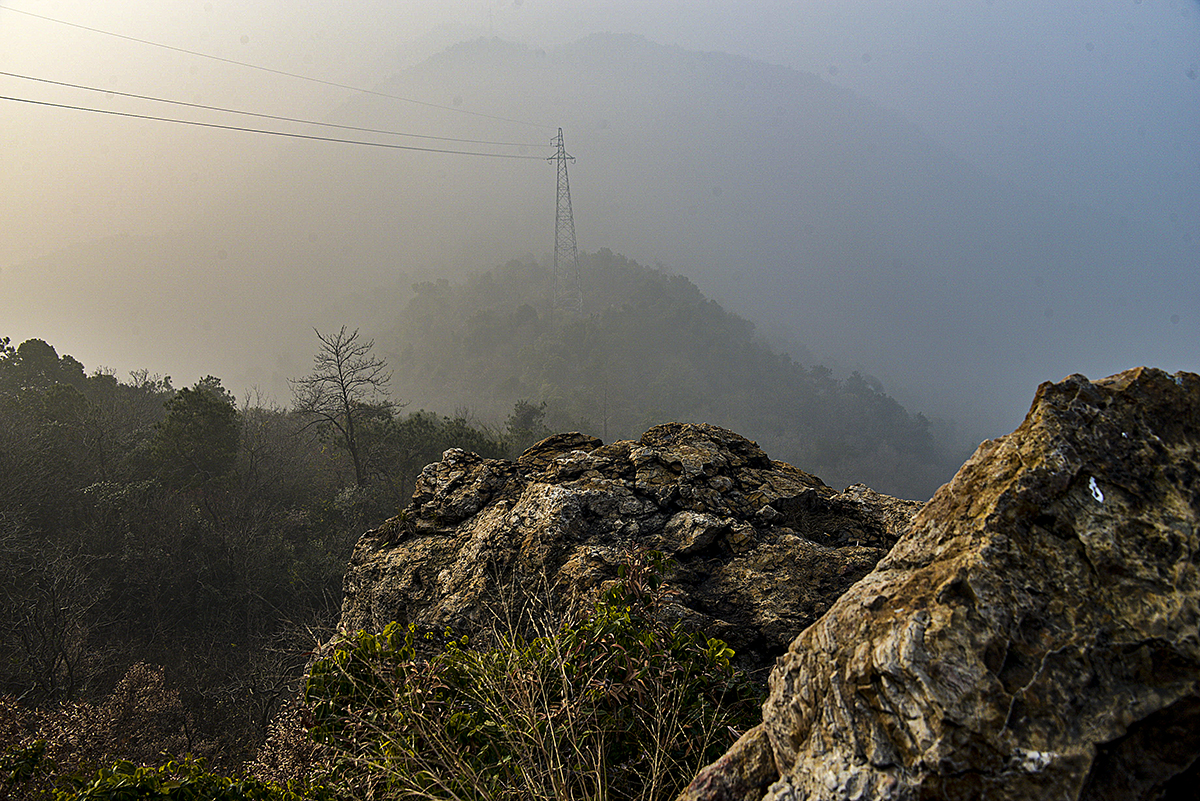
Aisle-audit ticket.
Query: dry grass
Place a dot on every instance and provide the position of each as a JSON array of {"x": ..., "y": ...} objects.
[{"x": 612, "y": 705}]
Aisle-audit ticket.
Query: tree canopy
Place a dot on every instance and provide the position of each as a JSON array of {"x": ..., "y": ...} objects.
[
  {"x": 35, "y": 365},
  {"x": 141, "y": 525},
  {"x": 197, "y": 442}
]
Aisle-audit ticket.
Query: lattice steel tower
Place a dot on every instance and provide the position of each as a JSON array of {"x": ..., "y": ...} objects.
[{"x": 567, "y": 293}]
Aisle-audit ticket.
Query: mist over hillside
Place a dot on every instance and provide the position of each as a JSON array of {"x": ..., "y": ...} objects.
[
  {"x": 830, "y": 222},
  {"x": 653, "y": 349}
]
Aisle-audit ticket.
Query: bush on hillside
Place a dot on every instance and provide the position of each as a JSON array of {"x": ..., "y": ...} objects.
[{"x": 614, "y": 705}]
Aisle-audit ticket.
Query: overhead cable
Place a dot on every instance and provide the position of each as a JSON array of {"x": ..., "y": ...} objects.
[
  {"x": 263, "y": 116},
  {"x": 274, "y": 71},
  {"x": 388, "y": 145}
]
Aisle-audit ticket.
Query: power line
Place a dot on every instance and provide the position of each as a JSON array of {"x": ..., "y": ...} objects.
[
  {"x": 388, "y": 145},
  {"x": 275, "y": 71},
  {"x": 262, "y": 116}
]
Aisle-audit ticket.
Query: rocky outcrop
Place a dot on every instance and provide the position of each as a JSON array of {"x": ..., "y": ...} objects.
[
  {"x": 761, "y": 548},
  {"x": 1035, "y": 634}
]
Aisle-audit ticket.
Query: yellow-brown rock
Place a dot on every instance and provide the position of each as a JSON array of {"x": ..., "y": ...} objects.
[
  {"x": 760, "y": 548},
  {"x": 1035, "y": 634}
]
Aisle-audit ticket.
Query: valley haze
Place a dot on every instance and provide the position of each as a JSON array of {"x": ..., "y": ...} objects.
[{"x": 963, "y": 200}]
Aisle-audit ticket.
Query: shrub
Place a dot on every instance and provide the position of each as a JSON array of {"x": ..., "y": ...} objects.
[
  {"x": 141, "y": 720},
  {"x": 615, "y": 705},
  {"x": 27, "y": 772}
]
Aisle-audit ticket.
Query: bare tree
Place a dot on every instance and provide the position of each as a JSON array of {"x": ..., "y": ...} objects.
[{"x": 339, "y": 391}]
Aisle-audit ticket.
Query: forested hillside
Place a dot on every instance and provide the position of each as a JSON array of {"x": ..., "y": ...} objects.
[
  {"x": 179, "y": 544},
  {"x": 650, "y": 348}
]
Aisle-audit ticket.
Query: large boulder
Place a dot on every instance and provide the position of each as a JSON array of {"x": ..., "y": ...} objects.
[
  {"x": 760, "y": 548},
  {"x": 1035, "y": 634}
]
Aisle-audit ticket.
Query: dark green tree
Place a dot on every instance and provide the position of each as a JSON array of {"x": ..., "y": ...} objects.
[
  {"x": 197, "y": 442},
  {"x": 35, "y": 366},
  {"x": 526, "y": 425},
  {"x": 410, "y": 443}
]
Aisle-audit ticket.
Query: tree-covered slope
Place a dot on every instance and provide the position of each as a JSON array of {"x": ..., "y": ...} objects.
[
  {"x": 648, "y": 348},
  {"x": 176, "y": 548}
]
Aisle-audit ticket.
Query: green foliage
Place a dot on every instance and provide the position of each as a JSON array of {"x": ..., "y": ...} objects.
[
  {"x": 21, "y": 766},
  {"x": 526, "y": 425},
  {"x": 34, "y": 366},
  {"x": 198, "y": 440},
  {"x": 183, "y": 780},
  {"x": 119, "y": 749},
  {"x": 139, "y": 524},
  {"x": 617, "y": 704},
  {"x": 396, "y": 449}
]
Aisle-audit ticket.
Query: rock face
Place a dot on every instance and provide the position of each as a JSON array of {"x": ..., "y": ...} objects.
[
  {"x": 762, "y": 548},
  {"x": 1035, "y": 634}
]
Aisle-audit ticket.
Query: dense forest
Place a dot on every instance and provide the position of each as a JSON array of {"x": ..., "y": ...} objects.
[{"x": 650, "y": 347}]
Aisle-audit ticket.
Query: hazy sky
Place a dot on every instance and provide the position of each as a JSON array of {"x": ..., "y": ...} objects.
[
  {"x": 1095, "y": 103},
  {"x": 1101, "y": 97}
]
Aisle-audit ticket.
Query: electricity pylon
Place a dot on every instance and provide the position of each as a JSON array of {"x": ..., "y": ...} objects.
[{"x": 566, "y": 293}]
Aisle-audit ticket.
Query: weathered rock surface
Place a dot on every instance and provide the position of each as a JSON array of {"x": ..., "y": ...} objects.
[
  {"x": 742, "y": 774},
  {"x": 1035, "y": 634},
  {"x": 762, "y": 547}
]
